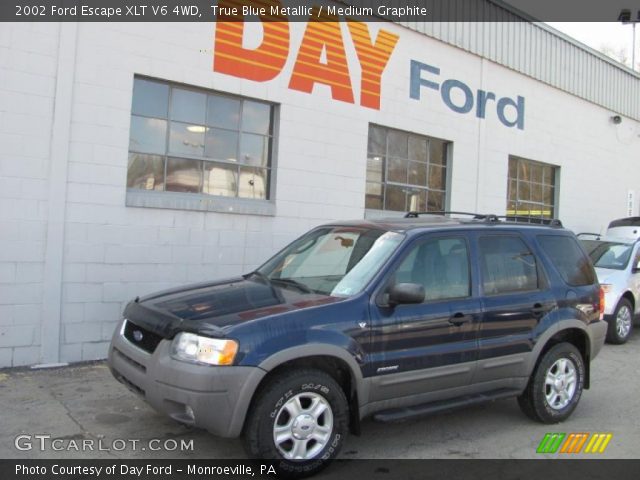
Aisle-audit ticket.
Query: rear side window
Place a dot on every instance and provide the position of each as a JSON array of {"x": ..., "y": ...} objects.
[
  {"x": 441, "y": 266},
  {"x": 507, "y": 265},
  {"x": 566, "y": 255}
]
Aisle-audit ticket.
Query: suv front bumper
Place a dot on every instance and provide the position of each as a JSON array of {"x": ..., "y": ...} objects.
[{"x": 209, "y": 397}]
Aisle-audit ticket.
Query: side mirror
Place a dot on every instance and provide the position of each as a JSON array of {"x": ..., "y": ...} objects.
[
  {"x": 402, "y": 293},
  {"x": 636, "y": 267}
]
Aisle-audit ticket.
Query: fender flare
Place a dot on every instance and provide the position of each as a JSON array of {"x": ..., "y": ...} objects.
[
  {"x": 543, "y": 340},
  {"x": 325, "y": 350}
]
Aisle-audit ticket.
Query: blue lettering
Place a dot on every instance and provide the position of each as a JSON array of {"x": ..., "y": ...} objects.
[
  {"x": 417, "y": 81},
  {"x": 481, "y": 97},
  {"x": 505, "y": 102},
  {"x": 447, "y": 85}
]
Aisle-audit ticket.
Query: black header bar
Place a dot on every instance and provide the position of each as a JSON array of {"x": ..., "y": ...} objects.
[
  {"x": 303, "y": 10},
  {"x": 380, "y": 469}
]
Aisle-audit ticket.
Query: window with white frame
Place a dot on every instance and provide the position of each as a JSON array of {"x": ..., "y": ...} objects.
[{"x": 199, "y": 141}]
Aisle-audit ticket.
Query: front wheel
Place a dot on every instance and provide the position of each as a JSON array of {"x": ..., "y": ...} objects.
[
  {"x": 300, "y": 419},
  {"x": 555, "y": 386},
  {"x": 621, "y": 324}
]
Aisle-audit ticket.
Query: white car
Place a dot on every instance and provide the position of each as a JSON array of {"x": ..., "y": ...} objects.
[{"x": 617, "y": 262}]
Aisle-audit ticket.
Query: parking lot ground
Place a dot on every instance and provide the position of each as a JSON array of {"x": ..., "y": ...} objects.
[{"x": 85, "y": 403}]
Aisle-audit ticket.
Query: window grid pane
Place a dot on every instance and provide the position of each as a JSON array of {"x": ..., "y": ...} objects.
[
  {"x": 530, "y": 189},
  {"x": 405, "y": 171},
  {"x": 202, "y": 142}
]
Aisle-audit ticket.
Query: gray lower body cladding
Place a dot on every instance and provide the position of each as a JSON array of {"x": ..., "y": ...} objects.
[{"x": 218, "y": 397}]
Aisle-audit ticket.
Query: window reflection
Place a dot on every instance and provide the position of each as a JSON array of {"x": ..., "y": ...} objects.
[
  {"x": 220, "y": 179},
  {"x": 188, "y": 106},
  {"x": 145, "y": 172},
  {"x": 223, "y": 112},
  {"x": 405, "y": 171},
  {"x": 253, "y": 183},
  {"x": 375, "y": 169},
  {"x": 530, "y": 189},
  {"x": 184, "y": 175},
  {"x": 221, "y": 144},
  {"x": 254, "y": 149},
  {"x": 395, "y": 198},
  {"x": 203, "y": 142},
  {"x": 150, "y": 99},
  {"x": 186, "y": 139},
  {"x": 377, "y": 140},
  {"x": 374, "y": 196},
  {"x": 256, "y": 118},
  {"x": 148, "y": 135}
]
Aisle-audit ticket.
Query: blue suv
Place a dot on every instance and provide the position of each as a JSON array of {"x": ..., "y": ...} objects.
[{"x": 389, "y": 319}]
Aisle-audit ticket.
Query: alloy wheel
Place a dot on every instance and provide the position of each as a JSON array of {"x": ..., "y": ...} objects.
[
  {"x": 560, "y": 383},
  {"x": 303, "y": 426},
  {"x": 623, "y": 321}
]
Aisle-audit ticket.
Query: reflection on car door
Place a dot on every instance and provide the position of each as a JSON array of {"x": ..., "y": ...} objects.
[
  {"x": 515, "y": 298},
  {"x": 430, "y": 346}
]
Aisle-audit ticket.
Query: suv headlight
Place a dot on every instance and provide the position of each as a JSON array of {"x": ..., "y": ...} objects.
[{"x": 190, "y": 347}]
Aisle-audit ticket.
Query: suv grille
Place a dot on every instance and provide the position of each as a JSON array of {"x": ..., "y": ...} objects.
[{"x": 141, "y": 337}]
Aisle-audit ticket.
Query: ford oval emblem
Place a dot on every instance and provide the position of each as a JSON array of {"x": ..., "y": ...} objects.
[{"x": 137, "y": 335}]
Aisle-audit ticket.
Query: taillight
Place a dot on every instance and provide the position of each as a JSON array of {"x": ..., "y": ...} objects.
[{"x": 601, "y": 301}]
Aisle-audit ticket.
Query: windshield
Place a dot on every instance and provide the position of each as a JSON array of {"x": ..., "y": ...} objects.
[
  {"x": 612, "y": 255},
  {"x": 337, "y": 261}
]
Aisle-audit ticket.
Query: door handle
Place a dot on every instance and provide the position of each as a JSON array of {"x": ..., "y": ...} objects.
[
  {"x": 459, "y": 318},
  {"x": 539, "y": 310}
]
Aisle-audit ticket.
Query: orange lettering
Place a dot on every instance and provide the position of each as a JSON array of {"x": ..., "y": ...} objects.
[
  {"x": 322, "y": 34},
  {"x": 260, "y": 64},
  {"x": 373, "y": 58}
]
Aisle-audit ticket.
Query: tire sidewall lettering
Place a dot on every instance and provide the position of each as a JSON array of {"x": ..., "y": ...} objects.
[
  {"x": 333, "y": 444},
  {"x": 315, "y": 386},
  {"x": 281, "y": 401}
]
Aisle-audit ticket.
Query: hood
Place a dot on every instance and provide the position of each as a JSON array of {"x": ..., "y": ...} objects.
[{"x": 212, "y": 308}]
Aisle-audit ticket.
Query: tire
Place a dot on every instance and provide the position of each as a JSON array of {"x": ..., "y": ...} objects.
[
  {"x": 541, "y": 401},
  {"x": 318, "y": 436},
  {"x": 620, "y": 323}
]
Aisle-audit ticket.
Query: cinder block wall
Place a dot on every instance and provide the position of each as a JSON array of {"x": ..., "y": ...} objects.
[{"x": 72, "y": 253}]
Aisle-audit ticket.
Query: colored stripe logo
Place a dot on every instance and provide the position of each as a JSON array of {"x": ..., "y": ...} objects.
[
  {"x": 574, "y": 443},
  {"x": 550, "y": 443}
]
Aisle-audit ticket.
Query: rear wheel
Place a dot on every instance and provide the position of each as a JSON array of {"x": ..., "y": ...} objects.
[
  {"x": 299, "y": 419},
  {"x": 555, "y": 386},
  {"x": 621, "y": 323}
]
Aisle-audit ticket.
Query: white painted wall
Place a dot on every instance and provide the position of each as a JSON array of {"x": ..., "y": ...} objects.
[
  {"x": 107, "y": 253},
  {"x": 28, "y": 65}
]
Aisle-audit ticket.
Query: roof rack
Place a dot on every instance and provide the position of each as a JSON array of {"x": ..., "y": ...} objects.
[
  {"x": 584, "y": 234},
  {"x": 492, "y": 218},
  {"x": 550, "y": 222},
  {"x": 476, "y": 216}
]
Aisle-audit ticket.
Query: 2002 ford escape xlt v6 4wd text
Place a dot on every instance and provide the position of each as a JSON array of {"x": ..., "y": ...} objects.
[{"x": 391, "y": 319}]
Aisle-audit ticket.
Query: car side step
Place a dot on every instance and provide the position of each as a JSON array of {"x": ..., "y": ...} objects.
[{"x": 400, "y": 414}]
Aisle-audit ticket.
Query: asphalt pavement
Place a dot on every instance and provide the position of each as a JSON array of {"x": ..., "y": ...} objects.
[{"x": 82, "y": 406}]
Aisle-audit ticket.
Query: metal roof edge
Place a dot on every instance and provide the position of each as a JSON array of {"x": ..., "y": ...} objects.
[{"x": 586, "y": 48}]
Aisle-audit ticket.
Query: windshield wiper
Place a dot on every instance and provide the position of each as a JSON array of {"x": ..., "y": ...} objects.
[
  {"x": 261, "y": 276},
  {"x": 293, "y": 283},
  {"x": 267, "y": 281}
]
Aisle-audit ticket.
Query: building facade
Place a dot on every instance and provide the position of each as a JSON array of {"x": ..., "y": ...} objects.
[{"x": 136, "y": 157}]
